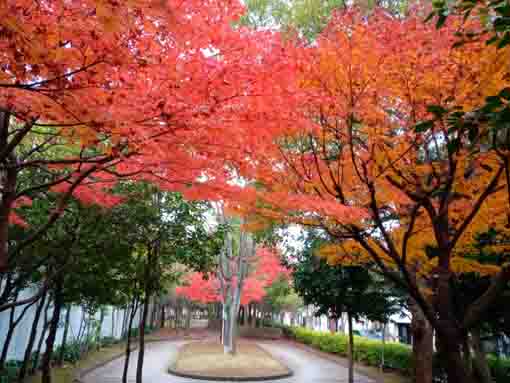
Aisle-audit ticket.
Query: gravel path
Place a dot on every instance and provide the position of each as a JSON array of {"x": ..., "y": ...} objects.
[{"x": 307, "y": 367}]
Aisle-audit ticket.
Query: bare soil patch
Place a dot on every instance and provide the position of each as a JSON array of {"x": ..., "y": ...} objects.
[{"x": 206, "y": 359}]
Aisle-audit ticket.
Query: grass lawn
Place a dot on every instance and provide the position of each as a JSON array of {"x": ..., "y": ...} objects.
[
  {"x": 66, "y": 373},
  {"x": 207, "y": 358}
]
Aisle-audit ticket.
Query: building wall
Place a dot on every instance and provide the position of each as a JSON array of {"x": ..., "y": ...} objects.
[
  {"x": 112, "y": 325},
  {"x": 322, "y": 323}
]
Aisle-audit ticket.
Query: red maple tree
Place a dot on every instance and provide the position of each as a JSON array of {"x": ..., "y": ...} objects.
[
  {"x": 167, "y": 92},
  {"x": 265, "y": 269}
]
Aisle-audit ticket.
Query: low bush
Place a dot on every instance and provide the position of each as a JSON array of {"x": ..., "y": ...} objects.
[
  {"x": 500, "y": 368},
  {"x": 367, "y": 351},
  {"x": 10, "y": 371},
  {"x": 397, "y": 356},
  {"x": 108, "y": 341},
  {"x": 72, "y": 352}
]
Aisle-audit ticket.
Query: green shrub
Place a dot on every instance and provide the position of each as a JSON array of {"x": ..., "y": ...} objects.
[
  {"x": 397, "y": 356},
  {"x": 72, "y": 352},
  {"x": 500, "y": 368},
  {"x": 10, "y": 372},
  {"x": 108, "y": 341},
  {"x": 367, "y": 351}
]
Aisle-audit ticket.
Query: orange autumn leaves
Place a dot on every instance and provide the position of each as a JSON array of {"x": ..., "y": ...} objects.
[{"x": 360, "y": 169}]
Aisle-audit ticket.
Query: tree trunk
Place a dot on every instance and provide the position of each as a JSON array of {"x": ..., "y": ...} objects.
[
  {"x": 31, "y": 340},
  {"x": 141, "y": 340},
  {"x": 99, "y": 328},
  {"x": 422, "y": 345},
  {"x": 41, "y": 339},
  {"x": 480, "y": 364},
  {"x": 241, "y": 316},
  {"x": 177, "y": 317},
  {"x": 50, "y": 341},
  {"x": 134, "y": 307},
  {"x": 8, "y": 194},
  {"x": 188, "y": 316},
  {"x": 451, "y": 336},
  {"x": 226, "y": 326},
  {"x": 113, "y": 323},
  {"x": 8, "y": 338},
  {"x": 383, "y": 346},
  {"x": 64, "y": 336},
  {"x": 162, "y": 317},
  {"x": 125, "y": 320},
  {"x": 455, "y": 368},
  {"x": 350, "y": 350}
]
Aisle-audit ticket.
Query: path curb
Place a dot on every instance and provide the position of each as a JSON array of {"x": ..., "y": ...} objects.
[
  {"x": 171, "y": 370},
  {"x": 230, "y": 378},
  {"x": 340, "y": 360},
  {"x": 78, "y": 376}
]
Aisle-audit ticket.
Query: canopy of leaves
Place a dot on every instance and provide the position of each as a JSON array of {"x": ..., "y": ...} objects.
[{"x": 341, "y": 289}]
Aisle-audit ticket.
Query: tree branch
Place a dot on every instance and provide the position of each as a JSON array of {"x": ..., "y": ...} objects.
[{"x": 481, "y": 305}]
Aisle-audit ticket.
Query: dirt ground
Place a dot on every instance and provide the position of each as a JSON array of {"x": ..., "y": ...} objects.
[{"x": 207, "y": 358}]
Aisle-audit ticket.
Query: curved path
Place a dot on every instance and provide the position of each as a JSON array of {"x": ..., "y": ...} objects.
[{"x": 307, "y": 367}]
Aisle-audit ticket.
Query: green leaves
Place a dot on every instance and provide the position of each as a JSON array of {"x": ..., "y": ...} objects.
[
  {"x": 437, "y": 110},
  {"x": 423, "y": 126}
]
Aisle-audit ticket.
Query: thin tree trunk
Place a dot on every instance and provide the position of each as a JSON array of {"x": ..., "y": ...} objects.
[
  {"x": 64, "y": 336},
  {"x": 151, "y": 308},
  {"x": 383, "y": 346},
  {"x": 350, "y": 350},
  {"x": 125, "y": 318},
  {"x": 8, "y": 338},
  {"x": 162, "y": 317},
  {"x": 50, "y": 341},
  {"x": 134, "y": 307},
  {"x": 113, "y": 323},
  {"x": 100, "y": 327},
  {"x": 31, "y": 340},
  {"x": 226, "y": 328},
  {"x": 188, "y": 316},
  {"x": 13, "y": 323},
  {"x": 480, "y": 364},
  {"x": 41, "y": 339},
  {"x": 141, "y": 341},
  {"x": 8, "y": 191},
  {"x": 466, "y": 355},
  {"x": 177, "y": 317}
]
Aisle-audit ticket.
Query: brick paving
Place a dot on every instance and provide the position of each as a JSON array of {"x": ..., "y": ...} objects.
[{"x": 307, "y": 367}]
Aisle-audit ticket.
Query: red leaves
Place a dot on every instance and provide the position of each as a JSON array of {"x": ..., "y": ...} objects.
[{"x": 266, "y": 268}]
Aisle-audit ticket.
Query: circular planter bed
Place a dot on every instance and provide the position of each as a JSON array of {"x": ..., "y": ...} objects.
[{"x": 206, "y": 360}]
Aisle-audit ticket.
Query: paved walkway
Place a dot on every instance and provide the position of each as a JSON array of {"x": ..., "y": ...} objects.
[{"x": 307, "y": 367}]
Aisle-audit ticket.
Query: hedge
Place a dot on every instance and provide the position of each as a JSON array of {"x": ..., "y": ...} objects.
[
  {"x": 397, "y": 356},
  {"x": 367, "y": 351}
]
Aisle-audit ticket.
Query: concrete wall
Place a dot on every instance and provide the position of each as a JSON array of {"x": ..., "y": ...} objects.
[{"x": 112, "y": 325}]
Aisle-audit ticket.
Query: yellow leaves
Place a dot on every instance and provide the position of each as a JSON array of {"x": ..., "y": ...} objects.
[
  {"x": 82, "y": 134},
  {"x": 460, "y": 265},
  {"x": 489, "y": 73},
  {"x": 347, "y": 253}
]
